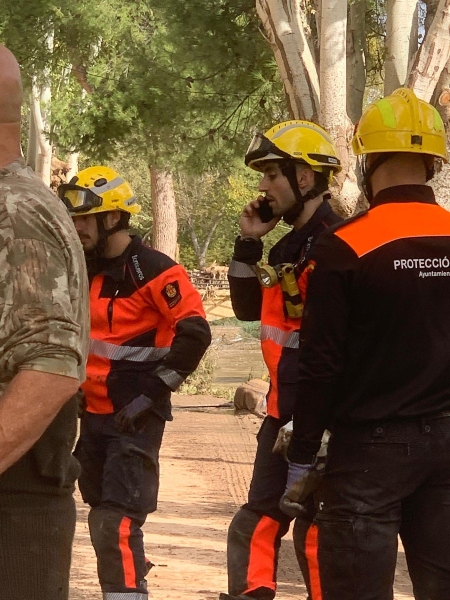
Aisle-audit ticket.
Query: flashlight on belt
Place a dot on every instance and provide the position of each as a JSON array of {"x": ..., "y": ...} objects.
[{"x": 284, "y": 274}]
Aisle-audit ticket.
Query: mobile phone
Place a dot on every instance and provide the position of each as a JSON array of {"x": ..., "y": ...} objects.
[{"x": 265, "y": 211}]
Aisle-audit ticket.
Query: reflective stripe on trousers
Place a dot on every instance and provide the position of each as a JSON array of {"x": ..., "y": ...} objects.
[{"x": 124, "y": 596}]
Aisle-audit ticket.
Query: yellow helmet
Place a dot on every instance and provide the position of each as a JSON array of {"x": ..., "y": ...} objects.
[
  {"x": 96, "y": 190},
  {"x": 301, "y": 141},
  {"x": 400, "y": 123}
]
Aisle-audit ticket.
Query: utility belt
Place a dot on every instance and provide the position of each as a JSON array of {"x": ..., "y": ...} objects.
[
  {"x": 379, "y": 431},
  {"x": 284, "y": 274}
]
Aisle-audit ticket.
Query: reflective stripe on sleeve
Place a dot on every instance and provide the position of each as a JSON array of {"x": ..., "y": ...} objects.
[
  {"x": 171, "y": 378},
  {"x": 133, "y": 353},
  {"x": 287, "y": 339},
  {"x": 241, "y": 270}
]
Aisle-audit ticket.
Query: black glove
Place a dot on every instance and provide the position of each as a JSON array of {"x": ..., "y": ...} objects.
[{"x": 130, "y": 418}]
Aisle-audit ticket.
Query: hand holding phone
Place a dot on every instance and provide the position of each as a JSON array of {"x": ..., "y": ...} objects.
[
  {"x": 264, "y": 210},
  {"x": 257, "y": 218}
]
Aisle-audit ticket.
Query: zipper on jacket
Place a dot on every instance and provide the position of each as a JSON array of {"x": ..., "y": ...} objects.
[{"x": 110, "y": 307}]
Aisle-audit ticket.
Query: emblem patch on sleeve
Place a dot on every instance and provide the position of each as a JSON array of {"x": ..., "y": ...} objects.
[{"x": 171, "y": 293}]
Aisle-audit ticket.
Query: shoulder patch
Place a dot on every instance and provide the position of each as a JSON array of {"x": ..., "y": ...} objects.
[{"x": 171, "y": 293}]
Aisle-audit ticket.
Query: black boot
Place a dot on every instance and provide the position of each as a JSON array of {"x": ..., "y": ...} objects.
[{"x": 259, "y": 594}]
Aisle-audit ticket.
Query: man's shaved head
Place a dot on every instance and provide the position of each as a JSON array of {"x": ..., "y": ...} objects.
[{"x": 10, "y": 87}]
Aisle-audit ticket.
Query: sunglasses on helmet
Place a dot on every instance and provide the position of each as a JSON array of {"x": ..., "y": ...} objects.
[
  {"x": 78, "y": 199},
  {"x": 261, "y": 147}
]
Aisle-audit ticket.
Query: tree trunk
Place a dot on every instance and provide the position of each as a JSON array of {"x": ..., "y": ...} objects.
[
  {"x": 431, "y": 6},
  {"x": 441, "y": 100},
  {"x": 333, "y": 110},
  {"x": 287, "y": 34},
  {"x": 401, "y": 34},
  {"x": 356, "y": 69},
  {"x": 40, "y": 107},
  {"x": 164, "y": 232},
  {"x": 201, "y": 249},
  {"x": 433, "y": 54},
  {"x": 32, "y": 144},
  {"x": 73, "y": 165},
  {"x": 43, "y": 158}
]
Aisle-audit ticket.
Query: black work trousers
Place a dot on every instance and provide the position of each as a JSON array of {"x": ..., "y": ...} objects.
[
  {"x": 36, "y": 536},
  {"x": 382, "y": 480},
  {"x": 120, "y": 481},
  {"x": 254, "y": 534}
]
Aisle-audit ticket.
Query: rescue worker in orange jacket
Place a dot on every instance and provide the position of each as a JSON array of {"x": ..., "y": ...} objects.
[
  {"x": 148, "y": 333},
  {"x": 374, "y": 369},
  {"x": 297, "y": 160}
]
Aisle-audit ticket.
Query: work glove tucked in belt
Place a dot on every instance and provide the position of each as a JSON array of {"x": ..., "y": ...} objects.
[
  {"x": 302, "y": 481},
  {"x": 298, "y": 480}
]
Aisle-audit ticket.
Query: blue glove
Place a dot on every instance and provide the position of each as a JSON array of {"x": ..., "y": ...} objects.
[
  {"x": 297, "y": 480},
  {"x": 132, "y": 416}
]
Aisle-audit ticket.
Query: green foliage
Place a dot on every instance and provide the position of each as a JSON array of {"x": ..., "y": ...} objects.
[
  {"x": 375, "y": 51},
  {"x": 208, "y": 198},
  {"x": 201, "y": 380},
  {"x": 206, "y": 203},
  {"x": 183, "y": 83},
  {"x": 180, "y": 86},
  {"x": 250, "y": 329}
]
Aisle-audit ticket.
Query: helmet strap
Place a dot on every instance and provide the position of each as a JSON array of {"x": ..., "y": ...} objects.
[
  {"x": 290, "y": 172},
  {"x": 368, "y": 172},
  {"x": 429, "y": 170},
  {"x": 104, "y": 233},
  {"x": 93, "y": 257}
]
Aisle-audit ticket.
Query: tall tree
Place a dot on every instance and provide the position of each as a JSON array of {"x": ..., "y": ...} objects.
[
  {"x": 422, "y": 75},
  {"x": 288, "y": 33},
  {"x": 356, "y": 57},
  {"x": 401, "y": 41},
  {"x": 433, "y": 54}
]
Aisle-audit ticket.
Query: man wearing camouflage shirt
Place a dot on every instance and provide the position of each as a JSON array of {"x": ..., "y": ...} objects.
[{"x": 43, "y": 344}]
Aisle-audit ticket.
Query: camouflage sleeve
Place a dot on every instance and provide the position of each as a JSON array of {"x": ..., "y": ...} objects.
[{"x": 40, "y": 330}]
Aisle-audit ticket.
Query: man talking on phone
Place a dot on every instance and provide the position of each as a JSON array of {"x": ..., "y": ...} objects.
[{"x": 297, "y": 160}]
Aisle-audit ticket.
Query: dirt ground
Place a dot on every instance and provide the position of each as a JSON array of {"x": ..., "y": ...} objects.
[{"x": 206, "y": 462}]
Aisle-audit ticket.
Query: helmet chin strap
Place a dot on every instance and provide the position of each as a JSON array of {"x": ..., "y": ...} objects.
[
  {"x": 368, "y": 172},
  {"x": 94, "y": 256},
  {"x": 290, "y": 172}
]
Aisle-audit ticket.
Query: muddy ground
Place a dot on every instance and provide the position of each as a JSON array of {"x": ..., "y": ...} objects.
[{"x": 206, "y": 463}]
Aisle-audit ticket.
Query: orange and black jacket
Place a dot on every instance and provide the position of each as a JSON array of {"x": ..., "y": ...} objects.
[
  {"x": 252, "y": 302},
  {"x": 375, "y": 336},
  {"x": 148, "y": 330}
]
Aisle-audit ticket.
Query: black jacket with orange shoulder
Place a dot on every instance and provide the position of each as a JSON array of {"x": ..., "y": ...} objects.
[
  {"x": 375, "y": 337},
  {"x": 148, "y": 330},
  {"x": 252, "y": 302}
]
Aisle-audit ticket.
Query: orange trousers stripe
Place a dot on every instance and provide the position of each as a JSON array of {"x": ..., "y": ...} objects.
[
  {"x": 261, "y": 566},
  {"x": 311, "y": 551},
  {"x": 127, "y": 555}
]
